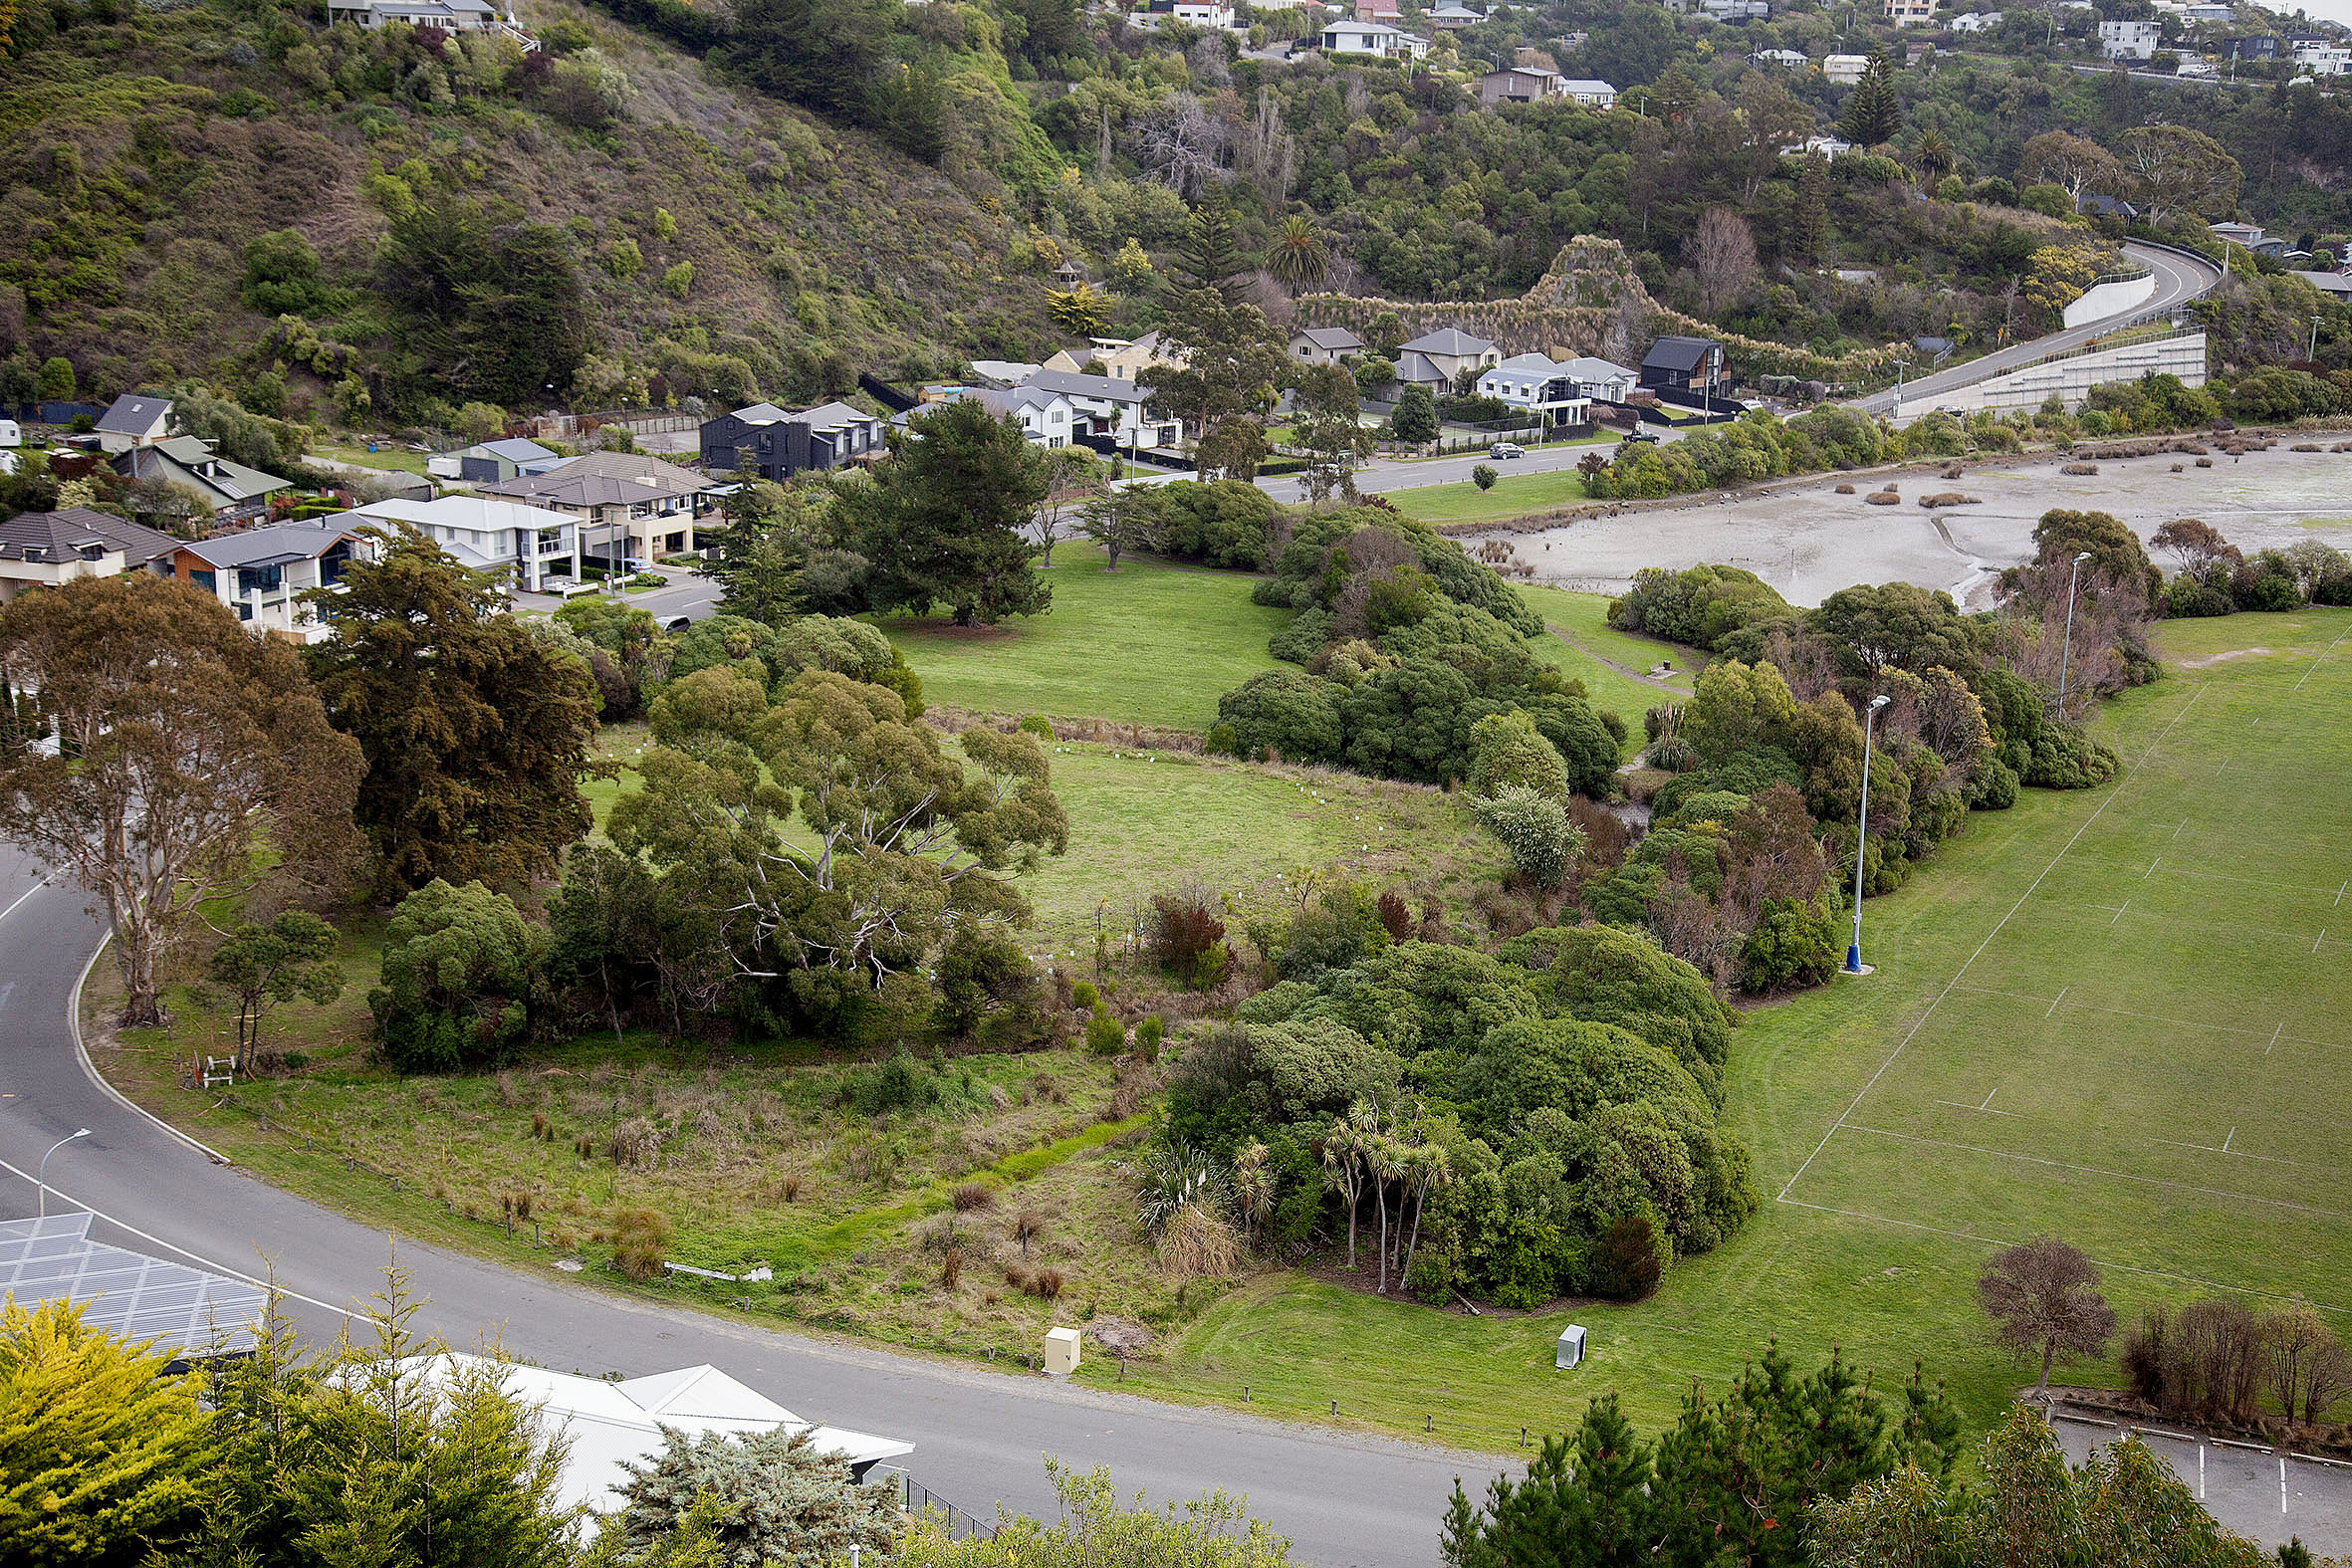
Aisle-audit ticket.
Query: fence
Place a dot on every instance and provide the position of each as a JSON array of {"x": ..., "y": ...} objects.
[{"x": 921, "y": 1502}]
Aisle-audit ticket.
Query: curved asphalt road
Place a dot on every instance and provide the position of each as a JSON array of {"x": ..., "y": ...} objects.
[
  {"x": 980, "y": 1437},
  {"x": 2178, "y": 280}
]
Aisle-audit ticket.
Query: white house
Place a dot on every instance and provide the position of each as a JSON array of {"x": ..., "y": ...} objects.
[
  {"x": 1590, "y": 91},
  {"x": 2130, "y": 39},
  {"x": 1324, "y": 345},
  {"x": 1048, "y": 418},
  {"x": 1106, "y": 406},
  {"x": 2321, "y": 58},
  {"x": 1786, "y": 59},
  {"x": 1376, "y": 39},
  {"x": 1911, "y": 13},
  {"x": 262, "y": 572},
  {"x": 1206, "y": 13},
  {"x": 639, "y": 506},
  {"x": 1844, "y": 70},
  {"x": 2222, "y": 14},
  {"x": 1974, "y": 22},
  {"x": 133, "y": 421},
  {"x": 609, "y": 1426},
  {"x": 43, "y": 550},
  {"x": 1603, "y": 380},
  {"x": 1534, "y": 384},
  {"x": 1454, "y": 17},
  {"x": 532, "y": 543}
]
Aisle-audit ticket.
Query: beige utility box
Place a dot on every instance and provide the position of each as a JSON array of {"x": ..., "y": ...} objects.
[{"x": 1061, "y": 1351}]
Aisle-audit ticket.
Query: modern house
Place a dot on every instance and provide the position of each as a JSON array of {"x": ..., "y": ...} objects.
[
  {"x": 2130, "y": 39},
  {"x": 772, "y": 443},
  {"x": 627, "y": 505},
  {"x": 1974, "y": 22},
  {"x": 488, "y": 462},
  {"x": 1206, "y": 13},
  {"x": 2099, "y": 205},
  {"x": 1537, "y": 385},
  {"x": 450, "y": 16},
  {"x": 2256, "y": 47},
  {"x": 1786, "y": 59},
  {"x": 231, "y": 489},
  {"x": 1122, "y": 358},
  {"x": 261, "y": 573},
  {"x": 1375, "y": 40},
  {"x": 1737, "y": 12},
  {"x": 610, "y": 1427},
  {"x": 1684, "y": 364},
  {"x": 2322, "y": 57},
  {"x": 2222, "y": 14},
  {"x": 1603, "y": 380},
  {"x": 1844, "y": 70},
  {"x": 1442, "y": 359},
  {"x": 1108, "y": 410},
  {"x": 43, "y": 550},
  {"x": 1048, "y": 418},
  {"x": 1910, "y": 13},
  {"x": 1519, "y": 85},
  {"x": 1590, "y": 91},
  {"x": 1325, "y": 345},
  {"x": 1455, "y": 17},
  {"x": 530, "y": 545},
  {"x": 133, "y": 421}
]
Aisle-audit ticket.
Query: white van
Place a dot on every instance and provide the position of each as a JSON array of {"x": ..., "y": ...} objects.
[{"x": 11, "y": 433}]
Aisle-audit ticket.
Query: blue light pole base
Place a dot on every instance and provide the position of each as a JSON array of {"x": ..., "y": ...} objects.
[{"x": 1853, "y": 957}]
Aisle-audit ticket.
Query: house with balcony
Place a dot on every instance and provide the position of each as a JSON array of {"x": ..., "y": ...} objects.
[
  {"x": 44, "y": 550},
  {"x": 450, "y": 16},
  {"x": 1684, "y": 364},
  {"x": 629, "y": 507},
  {"x": 1538, "y": 385},
  {"x": 773, "y": 443},
  {"x": 1844, "y": 70},
  {"x": 1107, "y": 411},
  {"x": 2130, "y": 39},
  {"x": 530, "y": 547},
  {"x": 1047, "y": 418},
  {"x": 261, "y": 574}
]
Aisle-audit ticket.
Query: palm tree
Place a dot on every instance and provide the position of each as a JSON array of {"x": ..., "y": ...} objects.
[
  {"x": 1933, "y": 157},
  {"x": 1300, "y": 257}
]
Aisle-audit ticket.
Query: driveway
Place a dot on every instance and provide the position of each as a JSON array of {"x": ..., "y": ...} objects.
[{"x": 980, "y": 1437}]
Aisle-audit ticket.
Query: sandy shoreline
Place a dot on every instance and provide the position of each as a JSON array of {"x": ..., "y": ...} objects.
[{"x": 1808, "y": 541}]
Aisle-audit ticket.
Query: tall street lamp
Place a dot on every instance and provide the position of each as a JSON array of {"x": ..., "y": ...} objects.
[
  {"x": 41, "y": 1173},
  {"x": 2066, "y": 653},
  {"x": 1862, "y": 832}
]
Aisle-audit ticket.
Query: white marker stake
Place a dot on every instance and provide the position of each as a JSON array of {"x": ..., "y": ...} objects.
[
  {"x": 2201, "y": 1472},
  {"x": 2282, "y": 1485}
]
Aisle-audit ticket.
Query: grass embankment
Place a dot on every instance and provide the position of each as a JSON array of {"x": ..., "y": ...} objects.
[
  {"x": 2062, "y": 990},
  {"x": 1614, "y": 665},
  {"x": 389, "y": 459},
  {"x": 1513, "y": 494}
]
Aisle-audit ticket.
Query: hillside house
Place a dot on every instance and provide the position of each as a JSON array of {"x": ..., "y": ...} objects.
[
  {"x": 230, "y": 490},
  {"x": 1122, "y": 358},
  {"x": 1444, "y": 360},
  {"x": 1323, "y": 345},
  {"x": 450, "y": 16},
  {"x": 1109, "y": 409},
  {"x": 489, "y": 462},
  {"x": 1048, "y": 418},
  {"x": 1844, "y": 70},
  {"x": 1453, "y": 18},
  {"x": 1538, "y": 385},
  {"x": 44, "y": 549},
  {"x": 2130, "y": 39},
  {"x": 1602, "y": 379},
  {"x": 772, "y": 443},
  {"x": 1590, "y": 91},
  {"x": 630, "y": 508},
  {"x": 261, "y": 573},
  {"x": 1684, "y": 364},
  {"x": 1910, "y": 13},
  {"x": 1521, "y": 85},
  {"x": 133, "y": 421},
  {"x": 1376, "y": 40},
  {"x": 528, "y": 545}
]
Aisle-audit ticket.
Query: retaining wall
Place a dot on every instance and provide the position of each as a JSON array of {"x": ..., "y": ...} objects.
[{"x": 2072, "y": 376}]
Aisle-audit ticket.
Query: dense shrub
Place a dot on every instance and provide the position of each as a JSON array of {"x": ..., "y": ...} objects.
[
  {"x": 1793, "y": 944},
  {"x": 1698, "y": 606},
  {"x": 461, "y": 972}
]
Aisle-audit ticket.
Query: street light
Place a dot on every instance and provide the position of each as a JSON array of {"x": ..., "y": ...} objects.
[
  {"x": 2066, "y": 653},
  {"x": 1900, "y": 367},
  {"x": 1862, "y": 833},
  {"x": 41, "y": 1173}
]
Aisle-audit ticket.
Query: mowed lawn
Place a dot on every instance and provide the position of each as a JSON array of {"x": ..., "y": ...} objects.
[
  {"x": 1583, "y": 644},
  {"x": 2122, "y": 1016},
  {"x": 1151, "y": 643},
  {"x": 1513, "y": 494}
]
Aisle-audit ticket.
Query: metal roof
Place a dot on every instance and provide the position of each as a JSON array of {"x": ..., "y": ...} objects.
[
  {"x": 182, "y": 1309},
  {"x": 132, "y": 415}
]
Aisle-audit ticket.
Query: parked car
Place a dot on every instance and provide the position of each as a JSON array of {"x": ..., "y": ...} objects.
[
  {"x": 1648, "y": 436},
  {"x": 1506, "y": 449}
]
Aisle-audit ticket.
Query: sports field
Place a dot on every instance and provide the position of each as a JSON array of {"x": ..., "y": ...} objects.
[{"x": 2122, "y": 1016}]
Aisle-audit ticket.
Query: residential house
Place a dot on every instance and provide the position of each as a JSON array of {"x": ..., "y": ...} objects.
[
  {"x": 1736, "y": 11},
  {"x": 531, "y": 545},
  {"x": 450, "y": 16},
  {"x": 43, "y": 550},
  {"x": 1445, "y": 358},
  {"x": 2130, "y": 39},
  {"x": 1375, "y": 10},
  {"x": 1206, "y": 13},
  {"x": 1844, "y": 70},
  {"x": 2222, "y": 14},
  {"x": 630, "y": 505},
  {"x": 231, "y": 490},
  {"x": 1325, "y": 345},
  {"x": 1535, "y": 384},
  {"x": 2322, "y": 57},
  {"x": 1911, "y": 13},
  {"x": 1109, "y": 409},
  {"x": 2099, "y": 205},
  {"x": 1602, "y": 379},
  {"x": 1454, "y": 18},
  {"x": 1974, "y": 22},
  {"x": 1375, "y": 39},
  {"x": 1687, "y": 365},
  {"x": 262, "y": 572},
  {"x": 1048, "y": 418},
  {"x": 1786, "y": 59},
  {"x": 1519, "y": 85},
  {"x": 2337, "y": 285},
  {"x": 773, "y": 443},
  {"x": 1063, "y": 359},
  {"x": 2250, "y": 236},
  {"x": 1006, "y": 373},
  {"x": 1590, "y": 91},
  {"x": 2259, "y": 47},
  {"x": 1123, "y": 358},
  {"x": 133, "y": 420},
  {"x": 2195, "y": 66},
  {"x": 491, "y": 461}
]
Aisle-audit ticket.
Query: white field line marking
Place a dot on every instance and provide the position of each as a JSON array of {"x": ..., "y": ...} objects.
[
  {"x": 2111, "y": 920},
  {"x": 2159, "y": 860},
  {"x": 2250, "y": 881},
  {"x": 1999, "y": 927},
  {"x": 2322, "y": 659},
  {"x": 2226, "y": 1142},
  {"x": 2178, "y": 830},
  {"x": 2322, "y": 937},
  {"x": 2154, "y": 1018},
  {"x": 2282, "y": 1029},
  {"x": 1963, "y": 1105},
  {"x": 2340, "y": 892},
  {"x": 1987, "y": 1240},
  {"x": 2061, "y": 997},
  {"x": 1989, "y": 1094},
  {"x": 2235, "y": 928},
  {"x": 2101, "y": 1170},
  {"x": 2241, "y": 1154}
]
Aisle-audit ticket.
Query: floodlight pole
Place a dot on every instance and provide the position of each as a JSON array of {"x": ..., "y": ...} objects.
[
  {"x": 2066, "y": 653},
  {"x": 1862, "y": 833},
  {"x": 41, "y": 1172}
]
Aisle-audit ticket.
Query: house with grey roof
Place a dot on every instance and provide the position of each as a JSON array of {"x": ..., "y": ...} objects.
[
  {"x": 489, "y": 462},
  {"x": 630, "y": 505},
  {"x": 1686, "y": 364},
  {"x": 1111, "y": 410},
  {"x": 533, "y": 547},
  {"x": 776, "y": 443},
  {"x": 1445, "y": 358},
  {"x": 230, "y": 489},
  {"x": 1046, "y": 417},
  {"x": 261, "y": 573},
  {"x": 1603, "y": 379},
  {"x": 44, "y": 550},
  {"x": 135, "y": 419},
  {"x": 451, "y": 16},
  {"x": 1324, "y": 345}
]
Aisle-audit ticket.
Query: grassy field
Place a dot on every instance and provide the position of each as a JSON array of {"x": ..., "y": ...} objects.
[
  {"x": 1613, "y": 664},
  {"x": 1513, "y": 494},
  {"x": 392, "y": 459},
  {"x": 1151, "y": 643},
  {"x": 2116, "y": 1016}
]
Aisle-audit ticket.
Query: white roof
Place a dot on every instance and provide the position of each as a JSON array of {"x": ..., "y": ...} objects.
[
  {"x": 612, "y": 1425},
  {"x": 1587, "y": 85},
  {"x": 475, "y": 514},
  {"x": 1585, "y": 368},
  {"x": 1370, "y": 29}
]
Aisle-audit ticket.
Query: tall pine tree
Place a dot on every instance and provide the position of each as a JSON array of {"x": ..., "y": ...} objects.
[{"x": 1873, "y": 115}]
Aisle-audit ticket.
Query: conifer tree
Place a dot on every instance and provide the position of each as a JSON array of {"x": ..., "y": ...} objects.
[{"x": 1873, "y": 115}]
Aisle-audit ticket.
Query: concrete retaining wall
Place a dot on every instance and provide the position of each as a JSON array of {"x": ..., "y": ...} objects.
[
  {"x": 2110, "y": 299},
  {"x": 2073, "y": 378}
]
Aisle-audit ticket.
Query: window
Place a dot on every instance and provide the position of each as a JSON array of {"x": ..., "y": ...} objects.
[
  {"x": 205, "y": 580},
  {"x": 260, "y": 579},
  {"x": 244, "y": 611}
]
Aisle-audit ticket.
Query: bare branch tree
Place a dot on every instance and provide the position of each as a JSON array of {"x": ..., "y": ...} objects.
[{"x": 2043, "y": 1298}]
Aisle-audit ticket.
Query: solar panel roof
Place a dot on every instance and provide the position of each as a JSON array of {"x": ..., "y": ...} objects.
[{"x": 183, "y": 1309}]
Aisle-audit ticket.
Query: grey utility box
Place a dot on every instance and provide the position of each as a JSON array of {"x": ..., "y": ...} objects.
[{"x": 1570, "y": 1350}]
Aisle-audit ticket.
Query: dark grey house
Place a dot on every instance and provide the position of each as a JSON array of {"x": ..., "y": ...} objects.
[
  {"x": 1684, "y": 364},
  {"x": 773, "y": 443}
]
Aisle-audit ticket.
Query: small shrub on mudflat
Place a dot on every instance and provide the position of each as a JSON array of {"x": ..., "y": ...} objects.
[
  {"x": 2079, "y": 470},
  {"x": 1885, "y": 498},
  {"x": 1846, "y": 490}
]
